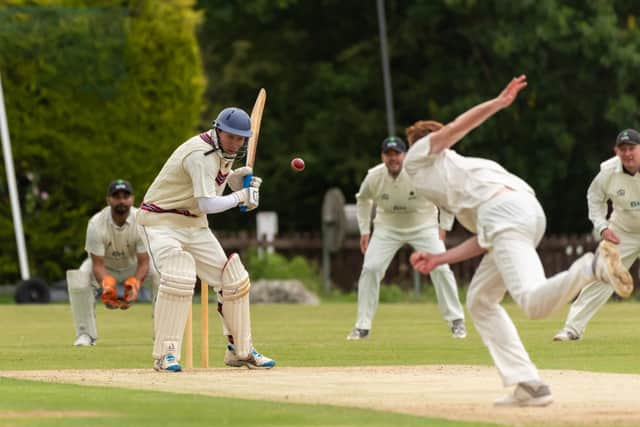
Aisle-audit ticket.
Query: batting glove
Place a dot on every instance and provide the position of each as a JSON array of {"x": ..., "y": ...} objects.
[
  {"x": 249, "y": 197},
  {"x": 109, "y": 293},
  {"x": 236, "y": 178},
  {"x": 131, "y": 287}
]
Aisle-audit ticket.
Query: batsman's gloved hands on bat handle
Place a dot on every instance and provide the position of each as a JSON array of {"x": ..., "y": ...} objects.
[
  {"x": 109, "y": 292},
  {"x": 236, "y": 177},
  {"x": 131, "y": 287},
  {"x": 249, "y": 197}
]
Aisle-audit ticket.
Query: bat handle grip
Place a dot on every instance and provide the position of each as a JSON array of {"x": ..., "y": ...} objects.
[{"x": 245, "y": 184}]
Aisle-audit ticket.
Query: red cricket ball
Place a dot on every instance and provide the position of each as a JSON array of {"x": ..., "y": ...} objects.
[{"x": 297, "y": 164}]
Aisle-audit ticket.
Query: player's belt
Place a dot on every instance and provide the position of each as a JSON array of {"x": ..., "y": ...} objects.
[{"x": 150, "y": 207}]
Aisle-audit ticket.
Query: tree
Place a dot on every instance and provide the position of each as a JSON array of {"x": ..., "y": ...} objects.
[{"x": 93, "y": 93}]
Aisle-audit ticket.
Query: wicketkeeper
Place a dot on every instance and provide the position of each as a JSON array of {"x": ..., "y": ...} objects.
[
  {"x": 173, "y": 218},
  {"x": 116, "y": 255}
]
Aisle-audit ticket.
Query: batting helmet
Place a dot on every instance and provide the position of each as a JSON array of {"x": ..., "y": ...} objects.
[{"x": 233, "y": 120}]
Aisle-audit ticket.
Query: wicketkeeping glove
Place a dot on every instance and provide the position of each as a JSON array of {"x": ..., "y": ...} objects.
[
  {"x": 131, "y": 287},
  {"x": 109, "y": 292}
]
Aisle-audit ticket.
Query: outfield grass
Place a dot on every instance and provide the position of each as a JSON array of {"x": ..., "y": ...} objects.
[{"x": 40, "y": 337}]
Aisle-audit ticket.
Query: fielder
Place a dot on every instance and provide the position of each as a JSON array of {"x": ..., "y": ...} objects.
[
  {"x": 116, "y": 254},
  {"x": 617, "y": 181},
  {"x": 508, "y": 222},
  {"x": 401, "y": 217},
  {"x": 173, "y": 218}
]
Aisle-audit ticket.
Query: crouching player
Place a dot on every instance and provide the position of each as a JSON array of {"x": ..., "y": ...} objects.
[{"x": 116, "y": 254}]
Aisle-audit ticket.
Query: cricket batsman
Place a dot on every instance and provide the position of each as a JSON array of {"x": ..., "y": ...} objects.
[{"x": 173, "y": 220}]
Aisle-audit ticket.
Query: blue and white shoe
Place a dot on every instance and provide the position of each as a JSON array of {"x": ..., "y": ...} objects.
[
  {"x": 168, "y": 363},
  {"x": 254, "y": 361}
]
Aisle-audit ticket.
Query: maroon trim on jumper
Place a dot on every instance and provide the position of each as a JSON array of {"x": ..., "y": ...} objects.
[
  {"x": 150, "y": 207},
  {"x": 206, "y": 138},
  {"x": 221, "y": 177}
]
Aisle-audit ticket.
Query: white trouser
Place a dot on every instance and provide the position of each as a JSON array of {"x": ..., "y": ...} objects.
[
  {"x": 200, "y": 242},
  {"x": 82, "y": 298},
  {"x": 510, "y": 226},
  {"x": 598, "y": 293},
  {"x": 383, "y": 245}
]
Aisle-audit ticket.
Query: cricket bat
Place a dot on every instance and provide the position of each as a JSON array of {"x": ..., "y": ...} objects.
[{"x": 252, "y": 145}]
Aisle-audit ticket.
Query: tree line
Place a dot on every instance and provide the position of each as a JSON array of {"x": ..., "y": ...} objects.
[{"x": 103, "y": 89}]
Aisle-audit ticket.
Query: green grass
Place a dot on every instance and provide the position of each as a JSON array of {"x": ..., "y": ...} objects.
[{"x": 40, "y": 337}]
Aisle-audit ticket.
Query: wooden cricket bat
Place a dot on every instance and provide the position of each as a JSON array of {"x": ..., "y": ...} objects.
[{"x": 252, "y": 145}]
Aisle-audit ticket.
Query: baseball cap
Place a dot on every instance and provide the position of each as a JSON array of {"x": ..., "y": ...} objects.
[
  {"x": 394, "y": 143},
  {"x": 628, "y": 136},
  {"x": 119, "y": 185}
]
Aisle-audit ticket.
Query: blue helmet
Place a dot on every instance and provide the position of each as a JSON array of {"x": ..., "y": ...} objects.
[{"x": 233, "y": 120}]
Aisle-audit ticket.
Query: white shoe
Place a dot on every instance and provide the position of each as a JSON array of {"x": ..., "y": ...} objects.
[
  {"x": 358, "y": 334},
  {"x": 458, "y": 330},
  {"x": 254, "y": 361},
  {"x": 168, "y": 362},
  {"x": 608, "y": 268},
  {"x": 566, "y": 335},
  {"x": 84, "y": 340},
  {"x": 531, "y": 393}
]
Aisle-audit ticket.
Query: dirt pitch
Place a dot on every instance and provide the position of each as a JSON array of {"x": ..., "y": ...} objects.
[{"x": 450, "y": 392}]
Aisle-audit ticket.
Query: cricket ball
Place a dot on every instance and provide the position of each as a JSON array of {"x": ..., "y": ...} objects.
[{"x": 297, "y": 164}]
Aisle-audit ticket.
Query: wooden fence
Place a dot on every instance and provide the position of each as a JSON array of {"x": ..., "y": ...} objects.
[{"x": 557, "y": 252}]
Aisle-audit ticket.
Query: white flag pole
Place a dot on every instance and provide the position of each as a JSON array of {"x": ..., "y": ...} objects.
[{"x": 13, "y": 189}]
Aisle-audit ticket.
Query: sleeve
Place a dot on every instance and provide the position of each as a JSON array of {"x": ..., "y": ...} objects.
[
  {"x": 418, "y": 156},
  {"x": 140, "y": 247},
  {"x": 364, "y": 204},
  {"x": 203, "y": 171},
  {"x": 217, "y": 204},
  {"x": 445, "y": 219},
  {"x": 94, "y": 243},
  {"x": 597, "y": 203}
]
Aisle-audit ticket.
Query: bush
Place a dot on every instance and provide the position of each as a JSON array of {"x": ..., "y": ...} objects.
[
  {"x": 276, "y": 266},
  {"x": 92, "y": 94}
]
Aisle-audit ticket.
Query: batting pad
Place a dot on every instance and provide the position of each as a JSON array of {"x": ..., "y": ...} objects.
[
  {"x": 235, "y": 304},
  {"x": 177, "y": 280},
  {"x": 83, "y": 302}
]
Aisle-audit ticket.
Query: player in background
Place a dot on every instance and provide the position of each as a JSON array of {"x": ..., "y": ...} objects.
[
  {"x": 508, "y": 222},
  {"x": 619, "y": 182},
  {"x": 173, "y": 218},
  {"x": 401, "y": 217},
  {"x": 116, "y": 254}
]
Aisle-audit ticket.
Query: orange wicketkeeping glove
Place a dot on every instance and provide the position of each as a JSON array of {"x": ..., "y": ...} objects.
[
  {"x": 110, "y": 292},
  {"x": 131, "y": 287}
]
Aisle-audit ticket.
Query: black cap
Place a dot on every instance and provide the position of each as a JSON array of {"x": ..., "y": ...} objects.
[
  {"x": 628, "y": 136},
  {"x": 394, "y": 143},
  {"x": 119, "y": 185}
]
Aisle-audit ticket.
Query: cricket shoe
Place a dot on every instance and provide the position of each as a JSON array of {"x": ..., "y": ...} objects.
[
  {"x": 608, "y": 268},
  {"x": 358, "y": 334},
  {"x": 530, "y": 393},
  {"x": 458, "y": 330},
  {"x": 566, "y": 335},
  {"x": 254, "y": 361},
  {"x": 168, "y": 363},
  {"x": 84, "y": 340}
]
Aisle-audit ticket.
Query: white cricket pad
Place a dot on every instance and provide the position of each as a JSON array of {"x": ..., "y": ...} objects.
[
  {"x": 177, "y": 280},
  {"x": 235, "y": 304},
  {"x": 83, "y": 302}
]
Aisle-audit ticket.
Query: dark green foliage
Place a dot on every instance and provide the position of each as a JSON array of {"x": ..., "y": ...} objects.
[
  {"x": 93, "y": 92},
  {"x": 320, "y": 62}
]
